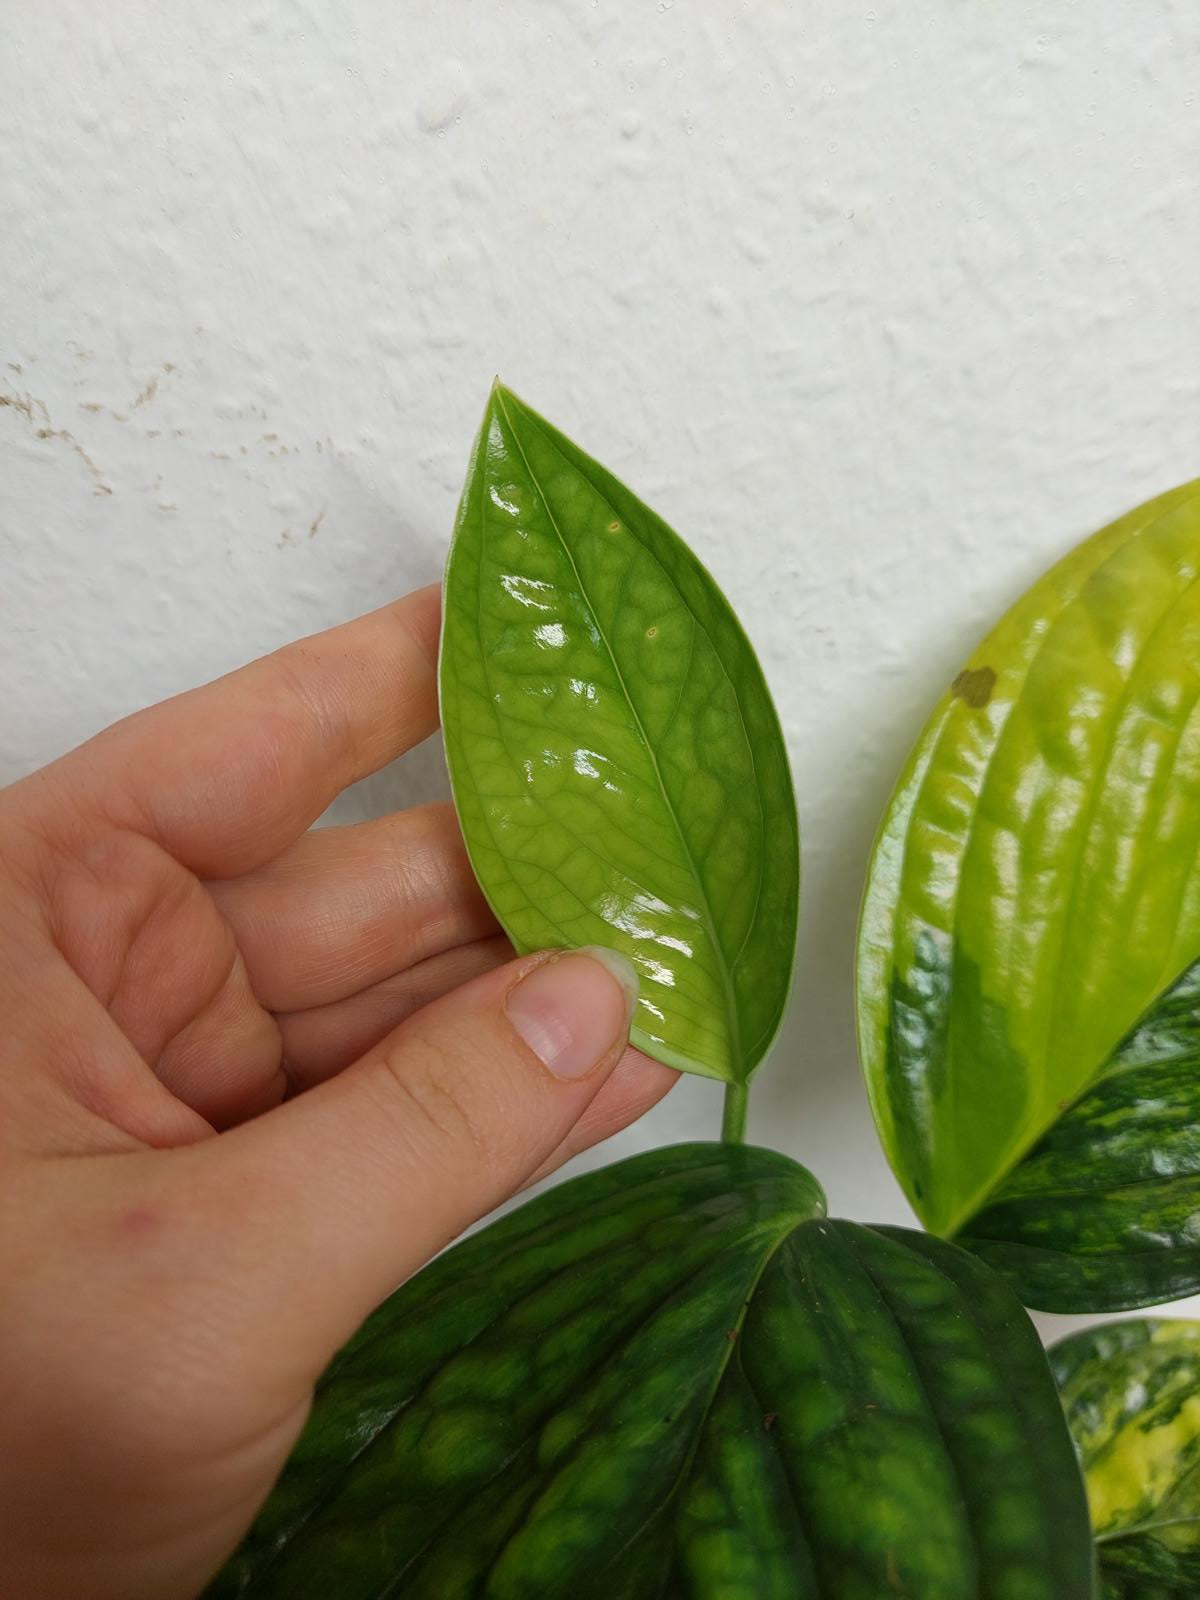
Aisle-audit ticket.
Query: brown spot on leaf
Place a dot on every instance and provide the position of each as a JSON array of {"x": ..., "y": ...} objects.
[
  {"x": 770, "y": 1418},
  {"x": 974, "y": 685}
]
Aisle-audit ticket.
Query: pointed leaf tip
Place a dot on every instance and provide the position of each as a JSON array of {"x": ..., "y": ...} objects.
[{"x": 618, "y": 766}]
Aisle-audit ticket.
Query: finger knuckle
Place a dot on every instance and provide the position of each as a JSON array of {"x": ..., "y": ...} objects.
[{"x": 436, "y": 1100}]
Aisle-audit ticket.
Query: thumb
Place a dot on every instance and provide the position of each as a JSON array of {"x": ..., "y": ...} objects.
[{"x": 345, "y": 1191}]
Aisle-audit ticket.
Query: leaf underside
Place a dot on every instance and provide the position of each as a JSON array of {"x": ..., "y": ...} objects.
[
  {"x": 674, "y": 1378},
  {"x": 1131, "y": 1393},
  {"x": 616, "y": 761},
  {"x": 1033, "y": 895}
]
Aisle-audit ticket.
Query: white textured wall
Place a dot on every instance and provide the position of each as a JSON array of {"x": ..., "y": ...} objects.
[{"x": 882, "y": 304}]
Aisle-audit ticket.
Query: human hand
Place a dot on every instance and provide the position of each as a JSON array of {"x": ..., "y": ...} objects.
[{"x": 183, "y": 1249}]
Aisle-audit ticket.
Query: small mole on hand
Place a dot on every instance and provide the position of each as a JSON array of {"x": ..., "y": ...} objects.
[{"x": 974, "y": 685}]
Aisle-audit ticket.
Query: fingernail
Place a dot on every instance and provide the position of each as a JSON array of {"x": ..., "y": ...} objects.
[{"x": 574, "y": 1008}]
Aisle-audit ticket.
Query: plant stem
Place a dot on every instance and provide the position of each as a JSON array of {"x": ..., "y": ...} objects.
[{"x": 733, "y": 1124}]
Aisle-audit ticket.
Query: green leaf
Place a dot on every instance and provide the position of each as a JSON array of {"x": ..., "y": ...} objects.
[
  {"x": 1131, "y": 1392},
  {"x": 674, "y": 1378},
  {"x": 617, "y": 764},
  {"x": 1104, "y": 1212},
  {"x": 1035, "y": 892}
]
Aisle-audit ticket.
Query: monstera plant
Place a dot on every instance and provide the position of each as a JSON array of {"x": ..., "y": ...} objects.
[{"x": 676, "y": 1377}]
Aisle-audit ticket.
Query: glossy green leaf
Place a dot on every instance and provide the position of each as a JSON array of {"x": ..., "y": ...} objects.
[
  {"x": 1104, "y": 1212},
  {"x": 616, "y": 761},
  {"x": 1131, "y": 1392},
  {"x": 673, "y": 1378},
  {"x": 1035, "y": 891}
]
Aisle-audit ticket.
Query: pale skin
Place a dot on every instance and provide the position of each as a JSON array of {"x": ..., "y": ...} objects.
[{"x": 252, "y": 1077}]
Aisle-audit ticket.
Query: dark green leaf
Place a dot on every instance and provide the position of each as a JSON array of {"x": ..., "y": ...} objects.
[
  {"x": 673, "y": 1378},
  {"x": 1131, "y": 1392},
  {"x": 1104, "y": 1212},
  {"x": 616, "y": 761},
  {"x": 1033, "y": 896}
]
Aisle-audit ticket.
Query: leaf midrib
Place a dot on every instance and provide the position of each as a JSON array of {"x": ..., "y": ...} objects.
[
  {"x": 332, "y": 1375},
  {"x": 732, "y": 1341},
  {"x": 1142, "y": 1529},
  {"x": 672, "y": 1058},
  {"x": 698, "y": 626},
  {"x": 710, "y": 921}
]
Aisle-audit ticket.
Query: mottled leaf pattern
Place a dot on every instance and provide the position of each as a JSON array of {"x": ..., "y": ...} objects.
[
  {"x": 1131, "y": 1392},
  {"x": 616, "y": 761},
  {"x": 674, "y": 1379},
  {"x": 1104, "y": 1212},
  {"x": 1035, "y": 887}
]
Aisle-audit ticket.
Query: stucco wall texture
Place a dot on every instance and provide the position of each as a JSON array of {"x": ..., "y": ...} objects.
[{"x": 883, "y": 305}]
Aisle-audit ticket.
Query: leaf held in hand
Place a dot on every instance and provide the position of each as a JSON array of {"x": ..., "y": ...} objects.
[
  {"x": 1033, "y": 899},
  {"x": 1131, "y": 1392},
  {"x": 617, "y": 764},
  {"x": 674, "y": 1377}
]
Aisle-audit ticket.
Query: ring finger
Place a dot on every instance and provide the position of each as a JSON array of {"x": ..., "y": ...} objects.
[{"x": 345, "y": 908}]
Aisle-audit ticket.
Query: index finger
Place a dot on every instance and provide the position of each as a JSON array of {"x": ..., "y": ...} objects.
[{"x": 226, "y": 776}]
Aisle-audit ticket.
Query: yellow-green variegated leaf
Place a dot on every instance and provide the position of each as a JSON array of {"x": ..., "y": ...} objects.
[
  {"x": 1131, "y": 1392},
  {"x": 1033, "y": 902}
]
